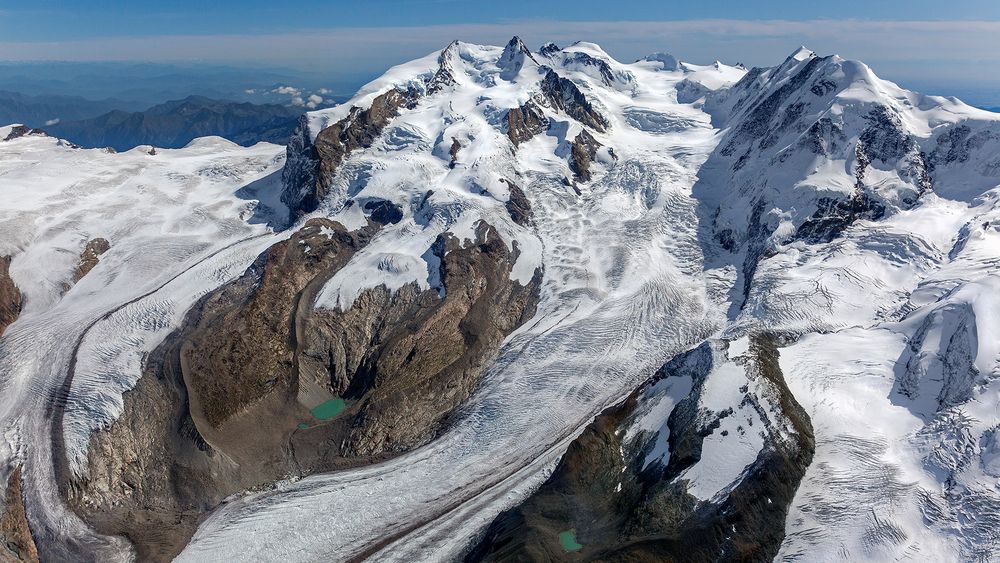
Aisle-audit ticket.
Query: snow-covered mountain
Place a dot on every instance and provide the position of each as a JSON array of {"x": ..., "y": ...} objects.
[{"x": 773, "y": 288}]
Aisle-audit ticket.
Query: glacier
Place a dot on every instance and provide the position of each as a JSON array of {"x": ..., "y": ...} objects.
[{"x": 812, "y": 199}]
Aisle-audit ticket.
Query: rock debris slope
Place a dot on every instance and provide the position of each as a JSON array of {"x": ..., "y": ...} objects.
[{"x": 773, "y": 288}]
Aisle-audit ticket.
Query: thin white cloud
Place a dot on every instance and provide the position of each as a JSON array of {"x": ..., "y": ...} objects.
[
  {"x": 288, "y": 90},
  {"x": 966, "y": 51}
]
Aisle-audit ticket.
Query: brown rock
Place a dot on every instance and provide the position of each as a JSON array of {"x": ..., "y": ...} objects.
[
  {"x": 358, "y": 130},
  {"x": 583, "y": 150},
  {"x": 517, "y": 204},
  {"x": 621, "y": 510},
  {"x": 10, "y": 296},
  {"x": 90, "y": 257},
  {"x": 410, "y": 358},
  {"x": 525, "y": 122},
  {"x": 17, "y": 544},
  {"x": 453, "y": 151}
]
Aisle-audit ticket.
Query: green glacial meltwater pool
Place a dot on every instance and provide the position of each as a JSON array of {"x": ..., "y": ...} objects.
[
  {"x": 568, "y": 541},
  {"x": 329, "y": 409}
]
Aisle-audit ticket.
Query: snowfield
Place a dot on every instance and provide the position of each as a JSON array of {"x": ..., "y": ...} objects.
[{"x": 811, "y": 199}]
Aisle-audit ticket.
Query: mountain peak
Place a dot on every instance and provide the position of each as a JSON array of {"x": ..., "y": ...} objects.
[
  {"x": 802, "y": 53},
  {"x": 513, "y": 58}
]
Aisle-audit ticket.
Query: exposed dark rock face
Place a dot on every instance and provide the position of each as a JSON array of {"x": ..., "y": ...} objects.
[
  {"x": 312, "y": 164},
  {"x": 16, "y": 543},
  {"x": 225, "y": 402},
  {"x": 619, "y": 511},
  {"x": 561, "y": 94},
  {"x": 19, "y": 131},
  {"x": 384, "y": 212},
  {"x": 525, "y": 122},
  {"x": 90, "y": 256},
  {"x": 583, "y": 150},
  {"x": 609, "y": 76},
  {"x": 549, "y": 49},
  {"x": 517, "y": 204},
  {"x": 833, "y": 216},
  {"x": 10, "y": 296},
  {"x": 444, "y": 77},
  {"x": 453, "y": 152}
]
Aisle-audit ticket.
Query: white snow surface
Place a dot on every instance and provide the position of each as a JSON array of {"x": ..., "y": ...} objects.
[{"x": 896, "y": 317}]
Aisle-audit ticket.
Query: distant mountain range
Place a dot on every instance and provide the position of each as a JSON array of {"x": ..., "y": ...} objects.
[
  {"x": 36, "y": 110},
  {"x": 174, "y": 124}
]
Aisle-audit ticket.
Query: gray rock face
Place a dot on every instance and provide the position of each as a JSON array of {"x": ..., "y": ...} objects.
[
  {"x": 938, "y": 367},
  {"x": 561, "y": 94},
  {"x": 621, "y": 509}
]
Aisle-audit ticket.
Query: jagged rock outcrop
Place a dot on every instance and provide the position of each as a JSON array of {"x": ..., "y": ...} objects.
[
  {"x": 444, "y": 76},
  {"x": 561, "y": 94},
  {"x": 456, "y": 146},
  {"x": 18, "y": 131},
  {"x": 10, "y": 296},
  {"x": 517, "y": 204},
  {"x": 524, "y": 122},
  {"x": 313, "y": 163},
  {"x": 605, "y": 502},
  {"x": 16, "y": 543},
  {"x": 583, "y": 151},
  {"x": 90, "y": 256},
  {"x": 549, "y": 49}
]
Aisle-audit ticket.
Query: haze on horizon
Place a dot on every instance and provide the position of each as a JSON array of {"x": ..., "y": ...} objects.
[{"x": 921, "y": 44}]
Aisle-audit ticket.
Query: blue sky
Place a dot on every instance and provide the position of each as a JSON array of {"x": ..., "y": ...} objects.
[
  {"x": 929, "y": 44},
  {"x": 48, "y": 20}
]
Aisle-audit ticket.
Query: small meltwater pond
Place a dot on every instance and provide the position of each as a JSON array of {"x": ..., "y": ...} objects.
[
  {"x": 568, "y": 541},
  {"x": 325, "y": 411},
  {"x": 329, "y": 409}
]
